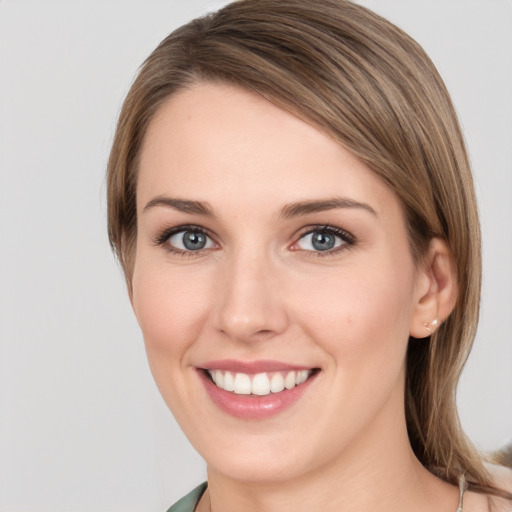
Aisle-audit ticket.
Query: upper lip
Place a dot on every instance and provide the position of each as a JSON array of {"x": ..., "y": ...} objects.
[{"x": 252, "y": 367}]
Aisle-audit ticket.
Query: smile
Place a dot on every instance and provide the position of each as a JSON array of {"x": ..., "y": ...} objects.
[
  {"x": 257, "y": 390},
  {"x": 260, "y": 384}
]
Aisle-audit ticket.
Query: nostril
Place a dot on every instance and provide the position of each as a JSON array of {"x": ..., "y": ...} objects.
[
  {"x": 264, "y": 332},
  {"x": 248, "y": 335}
]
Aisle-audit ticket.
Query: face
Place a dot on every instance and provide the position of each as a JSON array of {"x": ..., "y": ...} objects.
[{"x": 272, "y": 261}]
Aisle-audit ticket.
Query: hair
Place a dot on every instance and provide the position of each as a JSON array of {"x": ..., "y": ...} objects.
[{"x": 363, "y": 81}]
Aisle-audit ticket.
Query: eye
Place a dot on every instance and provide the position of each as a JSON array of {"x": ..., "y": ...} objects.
[
  {"x": 324, "y": 239},
  {"x": 185, "y": 240},
  {"x": 190, "y": 241}
]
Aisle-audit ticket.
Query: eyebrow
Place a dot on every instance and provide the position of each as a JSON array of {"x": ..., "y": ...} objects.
[
  {"x": 314, "y": 206},
  {"x": 289, "y": 211},
  {"x": 182, "y": 205}
]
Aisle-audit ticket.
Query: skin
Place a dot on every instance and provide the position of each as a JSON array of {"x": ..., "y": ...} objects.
[{"x": 260, "y": 290}]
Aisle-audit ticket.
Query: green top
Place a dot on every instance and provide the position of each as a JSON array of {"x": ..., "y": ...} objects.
[{"x": 190, "y": 501}]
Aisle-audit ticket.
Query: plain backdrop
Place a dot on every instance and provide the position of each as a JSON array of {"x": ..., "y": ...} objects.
[{"x": 82, "y": 427}]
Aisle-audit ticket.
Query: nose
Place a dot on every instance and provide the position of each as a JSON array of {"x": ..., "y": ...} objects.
[{"x": 250, "y": 305}]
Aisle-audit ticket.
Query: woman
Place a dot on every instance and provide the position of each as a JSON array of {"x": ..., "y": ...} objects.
[{"x": 291, "y": 202}]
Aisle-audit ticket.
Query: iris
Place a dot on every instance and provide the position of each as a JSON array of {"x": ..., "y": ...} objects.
[
  {"x": 194, "y": 241},
  {"x": 323, "y": 241}
]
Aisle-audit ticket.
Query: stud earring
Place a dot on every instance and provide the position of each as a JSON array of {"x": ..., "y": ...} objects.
[{"x": 430, "y": 326}]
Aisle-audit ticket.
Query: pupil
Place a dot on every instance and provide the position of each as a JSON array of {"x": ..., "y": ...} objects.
[
  {"x": 323, "y": 241},
  {"x": 194, "y": 241}
]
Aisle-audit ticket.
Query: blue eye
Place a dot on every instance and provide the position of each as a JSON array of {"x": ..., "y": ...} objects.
[
  {"x": 326, "y": 239},
  {"x": 182, "y": 240}
]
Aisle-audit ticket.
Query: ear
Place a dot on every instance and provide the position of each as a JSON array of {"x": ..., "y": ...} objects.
[{"x": 436, "y": 290}]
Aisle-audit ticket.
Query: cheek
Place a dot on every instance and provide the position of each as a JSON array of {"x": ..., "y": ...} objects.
[
  {"x": 361, "y": 321},
  {"x": 169, "y": 307},
  {"x": 360, "y": 315}
]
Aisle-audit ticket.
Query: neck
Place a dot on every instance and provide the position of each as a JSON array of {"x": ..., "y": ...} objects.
[{"x": 369, "y": 475}]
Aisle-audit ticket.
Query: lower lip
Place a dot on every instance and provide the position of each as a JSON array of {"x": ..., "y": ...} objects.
[{"x": 252, "y": 407}]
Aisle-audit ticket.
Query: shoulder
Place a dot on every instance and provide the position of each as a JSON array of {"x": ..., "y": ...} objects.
[
  {"x": 500, "y": 504},
  {"x": 502, "y": 479},
  {"x": 480, "y": 502},
  {"x": 501, "y": 476},
  {"x": 189, "y": 502}
]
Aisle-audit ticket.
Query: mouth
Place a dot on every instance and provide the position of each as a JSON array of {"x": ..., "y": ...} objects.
[
  {"x": 255, "y": 391},
  {"x": 259, "y": 384}
]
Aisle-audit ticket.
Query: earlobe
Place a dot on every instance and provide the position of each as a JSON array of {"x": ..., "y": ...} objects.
[{"x": 436, "y": 290}]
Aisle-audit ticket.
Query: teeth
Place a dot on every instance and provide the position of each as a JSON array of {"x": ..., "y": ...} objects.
[
  {"x": 218, "y": 378},
  {"x": 242, "y": 384},
  {"x": 260, "y": 384},
  {"x": 290, "y": 380},
  {"x": 229, "y": 382},
  {"x": 276, "y": 383},
  {"x": 302, "y": 376}
]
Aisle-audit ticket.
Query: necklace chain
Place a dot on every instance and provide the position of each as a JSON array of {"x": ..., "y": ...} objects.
[{"x": 462, "y": 489}]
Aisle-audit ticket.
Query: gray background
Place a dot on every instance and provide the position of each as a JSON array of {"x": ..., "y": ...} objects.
[{"x": 82, "y": 426}]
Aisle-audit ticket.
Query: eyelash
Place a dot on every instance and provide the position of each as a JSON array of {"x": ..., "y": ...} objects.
[
  {"x": 163, "y": 240},
  {"x": 348, "y": 240}
]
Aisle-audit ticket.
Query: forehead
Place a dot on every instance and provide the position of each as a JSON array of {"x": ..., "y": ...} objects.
[{"x": 217, "y": 142}]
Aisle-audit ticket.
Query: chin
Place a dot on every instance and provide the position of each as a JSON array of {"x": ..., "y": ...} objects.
[
  {"x": 260, "y": 468},
  {"x": 263, "y": 457}
]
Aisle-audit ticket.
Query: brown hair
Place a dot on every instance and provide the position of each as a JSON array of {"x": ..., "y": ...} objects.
[{"x": 359, "y": 78}]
